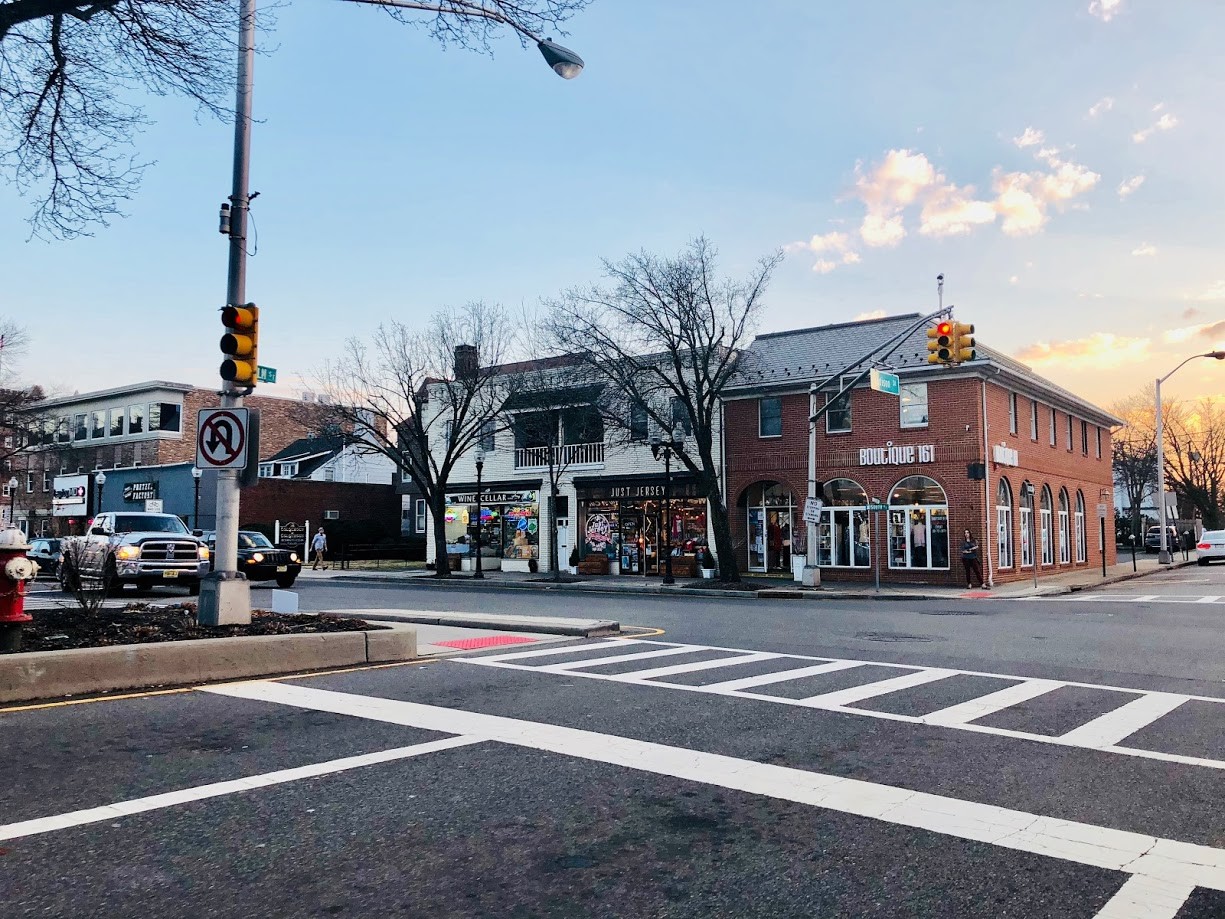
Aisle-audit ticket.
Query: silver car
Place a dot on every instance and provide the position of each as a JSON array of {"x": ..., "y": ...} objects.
[{"x": 1210, "y": 547}]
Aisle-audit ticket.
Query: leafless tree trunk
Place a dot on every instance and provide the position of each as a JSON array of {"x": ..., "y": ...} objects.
[
  {"x": 666, "y": 335},
  {"x": 69, "y": 70}
]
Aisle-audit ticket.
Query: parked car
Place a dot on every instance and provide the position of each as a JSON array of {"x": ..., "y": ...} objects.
[
  {"x": 1211, "y": 547},
  {"x": 1152, "y": 540},
  {"x": 46, "y": 552},
  {"x": 260, "y": 560}
]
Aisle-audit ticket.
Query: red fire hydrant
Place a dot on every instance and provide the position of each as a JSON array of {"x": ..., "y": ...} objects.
[{"x": 15, "y": 570}]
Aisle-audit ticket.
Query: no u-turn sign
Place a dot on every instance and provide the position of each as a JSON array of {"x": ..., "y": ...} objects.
[{"x": 221, "y": 438}]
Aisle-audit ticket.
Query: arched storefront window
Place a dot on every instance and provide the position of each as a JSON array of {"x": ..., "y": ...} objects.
[
  {"x": 1081, "y": 554},
  {"x": 1003, "y": 521},
  {"x": 1065, "y": 539},
  {"x": 771, "y": 526},
  {"x": 918, "y": 524},
  {"x": 1027, "y": 526},
  {"x": 844, "y": 533},
  {"x": 1047, "y": 539}
]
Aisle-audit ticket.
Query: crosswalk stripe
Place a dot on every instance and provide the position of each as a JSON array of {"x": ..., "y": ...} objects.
[
  {"x": 676, "y": 669},
  {"x": 1147, "y": 898},
  {"x": 1207, "y": 599},
  {"x": 1111, "y": 728},
  {"x": 765, "y": 679},
  {"x": 562, "y": 649},
  {"x": 965, "y": 712},
  {"x": 843, "y": 697},
  {"x": 617, "y": 659}
]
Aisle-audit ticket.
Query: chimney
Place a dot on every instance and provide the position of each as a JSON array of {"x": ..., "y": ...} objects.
[{"x": 467, "y": 362}]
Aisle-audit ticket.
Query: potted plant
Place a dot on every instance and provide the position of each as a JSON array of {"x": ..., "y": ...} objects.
[
  {"x": 574, "y": 560},
  {"x": 708, "y": 565}
]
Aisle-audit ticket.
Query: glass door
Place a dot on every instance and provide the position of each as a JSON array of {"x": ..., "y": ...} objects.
[{"x": 632, "y": 541}]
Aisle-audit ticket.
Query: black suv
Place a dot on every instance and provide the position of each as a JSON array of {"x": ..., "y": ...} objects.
[
  {"x": 1152, "y": 540},
  {"x": 259, "y": 559}
]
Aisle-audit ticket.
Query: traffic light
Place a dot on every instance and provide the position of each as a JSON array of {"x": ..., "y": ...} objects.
[
  {"x": 240, "y": 344},
  {"x": 940, "y": 343},
  {"x": 963, "y": 342}
]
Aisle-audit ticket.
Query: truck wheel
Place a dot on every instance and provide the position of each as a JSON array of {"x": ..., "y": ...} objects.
[
  {"x": 193, "y": 589},
  {"x": 144, "y": 585},
  {"x": 285, "y": 580}
]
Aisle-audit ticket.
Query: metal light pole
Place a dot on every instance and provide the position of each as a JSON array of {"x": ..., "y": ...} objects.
[
  {"x": 1163, "y": 557},
  {"x": 100, "y": 478},
  {"x": 196, "y": 473},
  {"x": 675, "y": 443},
  {"x": 478, "y": 574}
]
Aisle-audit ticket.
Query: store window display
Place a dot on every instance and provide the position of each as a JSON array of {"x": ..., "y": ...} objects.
[
  {"x": 771, "y": 526},
  {"x": 918, "y": 524},
  {"x": 844, "y": 533}
]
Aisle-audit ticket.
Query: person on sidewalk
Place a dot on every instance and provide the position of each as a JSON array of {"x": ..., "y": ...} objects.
[
  {"x": 319, "y": 546},
  {"x": 969, "y": 558}
]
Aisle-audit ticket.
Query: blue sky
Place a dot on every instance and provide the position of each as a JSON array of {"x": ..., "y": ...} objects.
[{"x": 1057, "y": 160}]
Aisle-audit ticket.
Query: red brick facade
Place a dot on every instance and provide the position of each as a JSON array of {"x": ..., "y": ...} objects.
[{"x": 955, "y": 431}]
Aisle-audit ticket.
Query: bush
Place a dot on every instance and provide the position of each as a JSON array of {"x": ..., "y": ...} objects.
[
  {"x": 708, "y": 559},
  {"x": 574, "y": 557}
]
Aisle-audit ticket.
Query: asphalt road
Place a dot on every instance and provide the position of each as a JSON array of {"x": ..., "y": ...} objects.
[{"x": 759, "y": 758}]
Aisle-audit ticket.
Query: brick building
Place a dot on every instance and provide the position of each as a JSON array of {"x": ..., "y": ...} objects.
[
  {"x": 956, "y": 450},
  {"x": 142, "y": 438}
]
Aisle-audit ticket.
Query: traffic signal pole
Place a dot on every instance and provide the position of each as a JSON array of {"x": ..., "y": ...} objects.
[{"x": 225, "y": 596}]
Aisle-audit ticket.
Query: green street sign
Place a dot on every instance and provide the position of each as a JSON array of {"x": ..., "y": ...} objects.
[
  {"x": 878, "y": 507},
  {"x": 883, "y": 381},
  {"x": 265, "y": 374}
]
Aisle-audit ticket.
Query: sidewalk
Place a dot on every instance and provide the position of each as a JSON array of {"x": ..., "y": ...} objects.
[{"x": 1048, "y": 584}]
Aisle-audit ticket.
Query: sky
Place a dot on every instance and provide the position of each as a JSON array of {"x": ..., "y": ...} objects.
[{"x": 1057, "y": 160}]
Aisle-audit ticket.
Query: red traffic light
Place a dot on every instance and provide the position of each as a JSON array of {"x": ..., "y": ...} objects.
[{"x": 945, "y": 328}]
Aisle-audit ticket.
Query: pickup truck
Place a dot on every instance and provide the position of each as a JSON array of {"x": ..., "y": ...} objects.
[{"x": 135, "y": 548}]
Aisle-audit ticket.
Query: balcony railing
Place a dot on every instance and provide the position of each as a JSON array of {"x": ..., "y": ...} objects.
[{"x": 565, "y": 455}]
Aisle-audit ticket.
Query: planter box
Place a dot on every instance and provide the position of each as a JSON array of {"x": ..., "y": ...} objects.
[
  {"x": 685, "y": 567},
  {"x": 708, "y": 574},
  {"x": 593, "y": 564}
]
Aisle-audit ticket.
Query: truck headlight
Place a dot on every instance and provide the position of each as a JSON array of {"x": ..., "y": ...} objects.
[
  {"x": 257, "y": 557},
  {"x": 202, "y": 554},
  {"x": 127, "y": 553}
]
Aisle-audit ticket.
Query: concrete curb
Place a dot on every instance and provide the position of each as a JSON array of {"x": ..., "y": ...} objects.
[
  {"x": 590, "y": 629},
  {"x": 53, "y": 674}
]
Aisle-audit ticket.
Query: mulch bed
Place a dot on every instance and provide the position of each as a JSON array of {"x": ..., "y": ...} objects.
[
  {"x": 59, "y": 629},
  {"x": 746, "y": 586}
]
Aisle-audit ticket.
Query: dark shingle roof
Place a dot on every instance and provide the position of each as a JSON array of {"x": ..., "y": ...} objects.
[{"x": 309, "y": 452}]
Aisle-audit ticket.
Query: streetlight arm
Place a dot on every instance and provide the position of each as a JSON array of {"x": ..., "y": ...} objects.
[{"x": 1218, "y": 355}]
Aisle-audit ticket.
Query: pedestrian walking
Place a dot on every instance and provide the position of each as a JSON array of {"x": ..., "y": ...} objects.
[
  {"x": 969, "y": 558},
  {"x": 319, "y": 545}
]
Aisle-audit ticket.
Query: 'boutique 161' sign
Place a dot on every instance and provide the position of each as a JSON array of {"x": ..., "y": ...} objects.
[{"x": 889, "y": 455}]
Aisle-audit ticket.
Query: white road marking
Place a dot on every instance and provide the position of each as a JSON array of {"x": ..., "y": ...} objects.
[
  {"x": 1208, "y": 599},
  {"x": 765, "y": 679},
  {"x": 1165, "y": 860},
  {"x": 1144, "y": 897},
  {"x": 850, "y": 696},
  {"x": 615, "y": 659},
  {"x": 217, "y": 789},
  {"x": 1122, "y": 598},
  {"x": 677, "y": 669},
  {"x": 965, "y": 712},
  {"x": 958, "y": 717},
  {"x": 564, "y": 649},
  {"x": 1112, "y": 728}
]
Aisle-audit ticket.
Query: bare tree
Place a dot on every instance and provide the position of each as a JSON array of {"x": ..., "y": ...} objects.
[
  {"x": 424, "y": 397},
  {"x": 666, "y": 335},
  {"x": 70, "y": 70},
  {"x": 1134, "y": 456}
]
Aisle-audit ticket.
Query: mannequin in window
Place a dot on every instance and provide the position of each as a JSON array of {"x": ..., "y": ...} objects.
[
  {"x": 776, "y": 543},
  {"x": 918, "y": 542}
]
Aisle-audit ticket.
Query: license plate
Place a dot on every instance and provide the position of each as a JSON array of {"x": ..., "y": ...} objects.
[
  {"x": 170, "y": 574},
  {"x": 281, "y": 568}
]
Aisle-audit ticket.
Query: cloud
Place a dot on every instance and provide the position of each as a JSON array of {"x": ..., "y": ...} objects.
[
  {"x": 1144, "y": 249},
  {"x": 1100, "y": 351},
  {"x": 1166, "y": 122},
  {"x": 1023, "y": 199},
  {"x": 1128, "y": 186},
  {"x": 1030, "y": 137},
  {"x": 882, "y": 231},
  {"x": 1104, "y": 104},
  {"x": 1215, "y": 292},
  {"x": 953, "y": 211},
  {"x": 833, "y": 244},
  {"x": 1014, "y": 280},
  {"x": 1213, "y": 331},
  {"x": 875, "y": 314},
  {"x": 1191, "y": 312},
  {"x": 1105, "y": 10}
]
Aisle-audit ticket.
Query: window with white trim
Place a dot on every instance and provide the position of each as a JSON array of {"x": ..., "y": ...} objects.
[
  {"x": 1003, "y": 521},
  {"x": 838, "y": 416},
  {"x": 1099, "y": 442},
  {"x": 1046, "y": 538},
  {"x": 1012, "y": 413},
  {"x": 913, "y": 405},
  {"x": 1065, "y": 541},
  {"x": 1053, "y": 437},
  {"x": 1033, "y": 419},
  {"x": 843, "y": 535},
  {"x": 770, "y": 417},
  {"x": 918, "y": 536},
  {"x": 1081, "y": 554},
  {"x": 420, "y": 515},
  {"x": 1069, "y": 432}
]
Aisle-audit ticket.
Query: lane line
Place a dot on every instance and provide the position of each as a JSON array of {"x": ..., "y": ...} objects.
[
  {"x": 217, "y": 789},
  {"x": 677, "y": 669},
  {"x": 1103, "y": 847},
  {"x": 991, "y": 703},
  {"x": 1109, "y": 729},
  {"x": 571, "y": 666},
  {"x": 1144, "y": 897},
  {"x": 782, "y": 676},
  {"x": 844, "y": 697}
]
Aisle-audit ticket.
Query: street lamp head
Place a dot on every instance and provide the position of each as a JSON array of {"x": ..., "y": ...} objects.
[
  {"x": 13, "y": 483},
  {"x": 480, "y": 456},
  {"x": 1219, "y": 355},
  {"x": 100, "y": 478},
  {"x": 565, "y": 63},
  {"x": 678, "y": 438},
  {"x": 196, "y": 472},
  {"x": 656, "y": 441}
]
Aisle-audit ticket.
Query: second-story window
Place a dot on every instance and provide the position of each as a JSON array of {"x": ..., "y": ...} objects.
[
  {"x": 117, "y": 419},
  {"x": 99, "y": 425},
  {"x": 1012, "y": 413},
  {"x": 770, "y": 417},
  {"x": 1033, "y": 419},
  {"x": 913, "y": 402},
  {"x": 680, "y": 416},
  {"x": 1052, "y": 425},
  {"x": 487, "y": 434},
  {"x": 1069, "y": 433},
  {"x": 1084, "y": 438},
  {"x": 265, "y": 470},
  {"x": 1099, "y": 443},
  {"x": 79, "y": 429},
  {"x": 838, "y": 417},
  {"x": 639, "y": 422},
  {"x": 136, "y": 419}
]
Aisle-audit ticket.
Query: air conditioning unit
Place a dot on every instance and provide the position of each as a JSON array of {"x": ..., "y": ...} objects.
[
  {"x": 308, "y": 397},
  {"x": 331, "y": 515}
]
